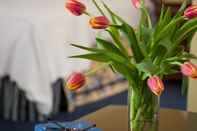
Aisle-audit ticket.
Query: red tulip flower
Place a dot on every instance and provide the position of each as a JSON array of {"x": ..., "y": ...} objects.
[
  {"x": 191, "y": 12},
  {"x": 99, "y": 22},
  {"x": 136, "y": 3},
  {"x": 156, "y": 85},
  {"x": 189, "y": 69},
  {"x": 76, "y": 81},
  {"x": 75, "y": 7}
]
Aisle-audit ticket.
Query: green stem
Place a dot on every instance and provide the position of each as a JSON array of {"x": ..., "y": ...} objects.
[
  {"x": 88, "y": 14},
  {"x": 148, "y": 17},
  {"x": 98, "y": 7},
  {"x": 142, "y": 108},
  {"x": 92, "y": 72}
]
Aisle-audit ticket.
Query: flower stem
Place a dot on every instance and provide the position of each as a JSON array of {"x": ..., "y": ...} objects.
[
  {"x": 98, "y": 7},
  {"x": 91, "y": 72},
  {"x": 88, "y": 14}
]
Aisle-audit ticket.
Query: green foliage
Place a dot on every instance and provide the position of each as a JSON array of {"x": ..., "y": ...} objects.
[
  {"x": 185, "y": 84},
  {"x": 100, "y": 57},
  {"x": 148, "y": 67},
  {"x": 114, "y": 31},
  {"x": 182, "y": 32},
  {"x": 134, "y": 44},
  {"x": 182, "y": 9},
  {"x": 156, "y": 48},
  {"x": 108, "y": 46}
]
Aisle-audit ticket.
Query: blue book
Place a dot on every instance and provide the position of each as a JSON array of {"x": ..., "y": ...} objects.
[{"x": 65, "y": 126}]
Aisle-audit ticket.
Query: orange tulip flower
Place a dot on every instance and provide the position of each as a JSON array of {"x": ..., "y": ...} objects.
[
  {"x": 100, "y": 22},
  {"x": 189, "y": 69},
  {"x": 76, "y": 81}
]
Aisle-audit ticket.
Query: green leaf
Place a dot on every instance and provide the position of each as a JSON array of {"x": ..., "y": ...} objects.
[
  {"x": 186, "y": 55},
  {"x": 129, "y": 73},
  {"x": 161, "y": 14},
  {"x": 146, "y": 34},
  {"x": 114, "y": 21},
  {"x": 167, "y": 43},
  {"x": 158, "y": 53},
  {"x": 166, "y": 68},
  {"x": 147, "y": 67},
  {"x": 164, "y": 20},
  {"x": 116, "y": 57},
  {"x": 145, "y": 17},
  {"x": 109, "y": 53},
  {"x": 180, "y": 57},
  {"x": 112, "y": 69},
  {"x": 167, "y": 16},
  {"x": 131, "y": 36},
  {"x": 129, "y": 32},
  {"x": 188, "y": 27},
  {"x": 181, "y": 9},
  {"x": 164, "y": 32},
  {"x": 118, "y": 43},
  {"x": 86, "y": 48},
  {"x": 108, "y": 46},
  {"x": 100, "y": 57}
]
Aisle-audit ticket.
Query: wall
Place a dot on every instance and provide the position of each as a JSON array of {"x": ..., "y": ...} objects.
[{"x": 192, "y": 92}]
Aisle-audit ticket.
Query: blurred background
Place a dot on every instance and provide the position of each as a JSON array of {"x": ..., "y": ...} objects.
[{"x": 34, "y": 50}]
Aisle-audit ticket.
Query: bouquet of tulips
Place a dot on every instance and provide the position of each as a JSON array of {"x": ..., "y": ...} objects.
[{"x": 156, "y": 51}]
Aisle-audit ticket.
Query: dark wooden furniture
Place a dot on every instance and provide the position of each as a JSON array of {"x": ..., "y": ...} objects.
[
  {"x": 115, "y": 118},
  {"x": 173, "y": 4}
]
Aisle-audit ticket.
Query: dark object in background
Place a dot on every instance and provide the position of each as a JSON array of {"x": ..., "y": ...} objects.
[
  {"x": 7, "y": 95},
  {"x": 16, "y": 107},
  {"x": 14, "y": 112}
]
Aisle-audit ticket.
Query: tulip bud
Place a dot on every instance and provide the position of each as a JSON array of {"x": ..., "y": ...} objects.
[
  {"x": 189, "y": 69},
  {"x": 75, "y": 7},
  {"x": 191, "y": 12},
  {"x": 156, "y": 85},
  {"x": 100, "y": 22},
  {"x": 76, "y": 81},
  {"x": 136, "y": 3}
]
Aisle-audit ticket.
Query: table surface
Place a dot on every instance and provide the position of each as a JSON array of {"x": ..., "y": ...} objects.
[{"x": 115, "y": 118}]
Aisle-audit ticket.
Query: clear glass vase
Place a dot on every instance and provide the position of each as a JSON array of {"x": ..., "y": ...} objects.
[{"x": 143, "y": 109}]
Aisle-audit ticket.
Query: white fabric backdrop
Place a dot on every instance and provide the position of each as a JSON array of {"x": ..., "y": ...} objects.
[{"x": 35, "y": 46}]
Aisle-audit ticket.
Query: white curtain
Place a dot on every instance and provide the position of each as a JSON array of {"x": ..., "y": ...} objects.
[{"x": 42, "y": 31}]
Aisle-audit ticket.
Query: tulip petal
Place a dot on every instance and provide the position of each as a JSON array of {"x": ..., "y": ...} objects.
[
  {"x": 75, "y": 81},
  {"x": 191, "y": 12},
  {"x": 189, "y": 69},
  {"x": 156, "y": 85},
  {"x": 136, "y": 3},
  {"x": 99, "y": 22},
  {"x": 75, "y": 7}
]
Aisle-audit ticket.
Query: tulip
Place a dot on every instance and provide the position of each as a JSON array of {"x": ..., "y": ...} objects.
[
  {"x": 191, "y": 12},
  {"x": 136, "y": 3},
  {"x": 100, "y": 22},
  {"x": 76, "y": 81},
  {"x": 75, "y": 7},
  {"x": 189, "y": 69},
  {"x": 156, "y": 85}
]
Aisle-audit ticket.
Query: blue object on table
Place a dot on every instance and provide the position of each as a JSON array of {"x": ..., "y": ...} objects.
[{"x": 56, "y": 126}]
